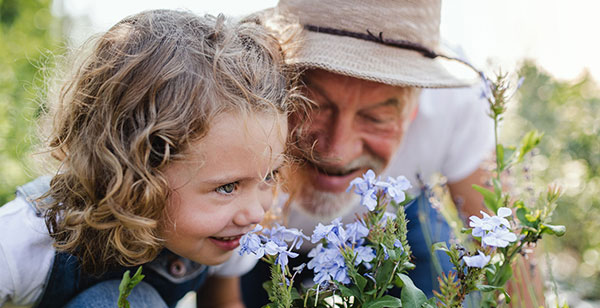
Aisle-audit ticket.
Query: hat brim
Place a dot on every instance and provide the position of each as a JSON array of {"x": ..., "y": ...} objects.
[{"x": 377, "y": 62}]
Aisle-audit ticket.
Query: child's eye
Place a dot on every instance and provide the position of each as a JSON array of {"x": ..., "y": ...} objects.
[{"x": 227, "y": 188}]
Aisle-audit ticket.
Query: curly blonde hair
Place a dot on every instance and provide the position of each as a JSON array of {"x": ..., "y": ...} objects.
[{"x": 151, "y": 85}]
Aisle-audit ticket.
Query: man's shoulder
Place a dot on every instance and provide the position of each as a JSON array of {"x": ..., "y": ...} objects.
[{"x": 440, "y": 102}]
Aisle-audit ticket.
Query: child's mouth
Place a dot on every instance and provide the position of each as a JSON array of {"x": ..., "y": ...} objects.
[{"x": 227, "y": 242}]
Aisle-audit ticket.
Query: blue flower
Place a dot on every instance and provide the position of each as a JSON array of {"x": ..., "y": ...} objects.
[
  {"x": 356, "y": 231},
  {"x": 499, "y": 238},
  {"x": 333, "y": 233},
  {"x": 364, "y": 254},
  {"x": 272, "y": 242},
  {"x": 364, "y": 184},
  {"x": 481, "y": 225},
  {"x": 395, "y": 187},
  {"x": 369, "y": 199},
  {"x": 328, "y": 264},
  {"x": 365, "y": 187},
  {"x": 320, "y": 232},
  {"x": 493, "y": 230},
  {"x": 271, "y": 248},
  {"x": 280, "y": 235},
  {"x": 251, "y": 243},
  {"x": 398, "y": 244},
  {"x": 282, "y": 258},
  {"x": 479, "y": 260}
]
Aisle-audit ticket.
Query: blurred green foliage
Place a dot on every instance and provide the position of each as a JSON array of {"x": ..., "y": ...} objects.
[
  {"x": 568, "y": 113},
  {"x": 29, "y": 35}
]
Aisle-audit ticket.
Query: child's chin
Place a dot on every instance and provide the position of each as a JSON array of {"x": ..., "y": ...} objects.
[{"x": 215, "y": 259}]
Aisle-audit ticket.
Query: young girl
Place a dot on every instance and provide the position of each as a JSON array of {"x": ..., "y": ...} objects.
[{"x": 168, "y": 138}]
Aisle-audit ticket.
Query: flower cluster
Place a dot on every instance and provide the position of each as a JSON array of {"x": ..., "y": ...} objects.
[
  {"x": 328, "y": 260},
  {"x": 272, "y": 242},
  {"x": 368, "y": 186},
  {"x": 493, "y": 230}
]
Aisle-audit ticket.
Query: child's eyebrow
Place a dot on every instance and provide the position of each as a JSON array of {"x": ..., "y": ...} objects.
[{"x": 226, "y": 179}]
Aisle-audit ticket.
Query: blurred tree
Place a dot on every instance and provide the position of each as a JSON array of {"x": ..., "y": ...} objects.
[
  {"x": 29, "y": 36},
  {"x": 568, "y": 113}
]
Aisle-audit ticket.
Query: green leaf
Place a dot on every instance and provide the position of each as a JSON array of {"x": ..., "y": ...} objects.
[
  {"x": 360, "y": 281},
  {"x": 523, "y": 216},
  {"x": 124, "y": 282},
  {"x": 430, "y": 303},
  {"x": 557, "y": 230},
  {"x": 347, "y": 292},
  {"x": 383, "y": 273},
  {"x": 488, "y": 288},
  {"x": 505, "y": 273},
  {"x": 489, "y": 198},
  {"x": 439, "y": 246},
  {"x": 137, "y": 277},
  {"x": 126, "y": 286},
  {"x": 507, "y": 296},
  {"x": 384, "y": 302},
  {"x": 528, "y": 142},
  {"x": 412, "y": 297}
]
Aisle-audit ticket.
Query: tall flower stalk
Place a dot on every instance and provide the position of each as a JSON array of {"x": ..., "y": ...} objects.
[{"x": 516, "y": 225}]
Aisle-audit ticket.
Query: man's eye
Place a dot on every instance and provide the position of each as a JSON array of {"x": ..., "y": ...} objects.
[
  {"x": 373, "y": 119},
  {"x": 272, "y": 176},
  {"x": 227, "y": 188}
]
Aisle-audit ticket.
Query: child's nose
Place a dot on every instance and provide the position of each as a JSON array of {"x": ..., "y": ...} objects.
[{"x": 251, "y": 212}]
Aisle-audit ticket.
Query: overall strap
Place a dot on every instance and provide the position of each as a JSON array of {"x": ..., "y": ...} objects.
[
  {"x": 33, "y": 190},
  {"x": 67, "y": 280}
]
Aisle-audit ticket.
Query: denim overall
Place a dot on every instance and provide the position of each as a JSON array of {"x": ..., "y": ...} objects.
[
  {"x": 425, "y": 227},
  {"x": 170, "y": 275}
]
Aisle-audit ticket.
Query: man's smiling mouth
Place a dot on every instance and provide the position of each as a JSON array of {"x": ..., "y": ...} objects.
[{"x": 333, "y": 171}]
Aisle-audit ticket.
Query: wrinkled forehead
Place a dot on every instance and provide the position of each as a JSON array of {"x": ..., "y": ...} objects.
[{"x": 338, "y": 88}]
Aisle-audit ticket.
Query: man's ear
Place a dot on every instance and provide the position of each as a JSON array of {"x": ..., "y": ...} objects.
[{"x": 414, "y": 113}]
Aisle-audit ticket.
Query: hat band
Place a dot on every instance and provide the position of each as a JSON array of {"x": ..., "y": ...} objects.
[{"x": 377, "y": 39}]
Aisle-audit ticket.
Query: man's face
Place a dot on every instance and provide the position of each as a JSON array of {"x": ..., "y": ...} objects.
[{"x": 356, "y": 126}]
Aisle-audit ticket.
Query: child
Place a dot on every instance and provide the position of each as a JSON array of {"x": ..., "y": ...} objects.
[{"x": 168, "y": 137}]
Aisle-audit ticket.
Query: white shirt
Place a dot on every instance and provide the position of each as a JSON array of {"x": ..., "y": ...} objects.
[{"x": 26, "y": 256}]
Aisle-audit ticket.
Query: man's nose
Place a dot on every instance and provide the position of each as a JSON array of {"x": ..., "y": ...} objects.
[{"x": 341, "y": 140}]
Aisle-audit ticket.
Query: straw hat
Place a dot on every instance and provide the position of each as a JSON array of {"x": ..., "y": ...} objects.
[{"x": 396, "y": 42}]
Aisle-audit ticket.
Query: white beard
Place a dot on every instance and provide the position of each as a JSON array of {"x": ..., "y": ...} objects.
[{"x": 325, "y": 206}]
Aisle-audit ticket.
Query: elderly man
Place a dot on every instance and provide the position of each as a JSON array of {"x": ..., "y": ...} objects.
[{"x": 365, "y": 64}]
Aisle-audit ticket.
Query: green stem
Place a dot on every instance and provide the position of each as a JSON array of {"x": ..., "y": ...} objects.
[
  {"x": 496, "y": 121},
  {"x": 507, "y": 262}
]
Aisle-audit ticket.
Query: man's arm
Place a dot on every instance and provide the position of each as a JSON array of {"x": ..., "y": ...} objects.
[
  {"x": 220, "y": 292},
  {"x": 469, "y": 201}
]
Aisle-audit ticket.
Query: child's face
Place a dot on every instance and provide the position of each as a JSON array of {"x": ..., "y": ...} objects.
[{"x": 220, "y": 191}]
